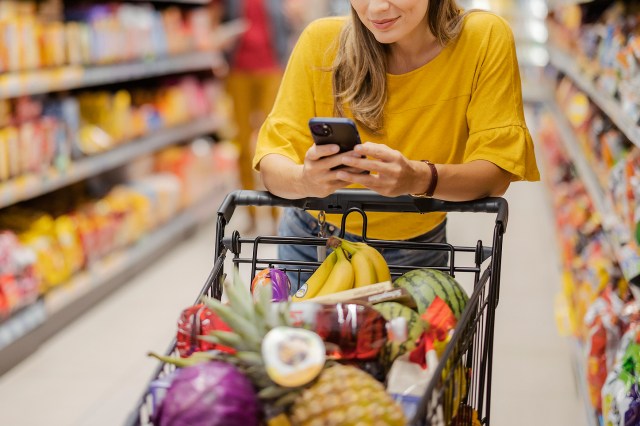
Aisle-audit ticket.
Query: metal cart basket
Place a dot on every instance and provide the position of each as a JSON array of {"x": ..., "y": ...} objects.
[{"x": 470, "y": 350}]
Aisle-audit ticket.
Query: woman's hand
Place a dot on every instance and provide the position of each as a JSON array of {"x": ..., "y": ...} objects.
[
  {"x": 391, "y": 173},
  {"x": 317, "y": 177}
]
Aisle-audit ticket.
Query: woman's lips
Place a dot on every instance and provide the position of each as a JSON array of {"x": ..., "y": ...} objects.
[{"x": 383, "y": 24}]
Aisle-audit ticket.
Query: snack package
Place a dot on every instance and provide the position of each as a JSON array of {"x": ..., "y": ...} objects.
[
  {"x": 620, "y": 393},
  {"x": 604, "y": 322}
]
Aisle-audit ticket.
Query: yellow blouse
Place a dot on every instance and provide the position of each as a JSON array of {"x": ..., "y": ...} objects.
[{"x": 464, "y": 105}]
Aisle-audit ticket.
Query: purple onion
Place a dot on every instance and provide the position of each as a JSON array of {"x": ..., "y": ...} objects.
[
  {"x": 209, "y": 394},
  {"x": 278, "y": 280},
  {"x": 280, "y": 285}
]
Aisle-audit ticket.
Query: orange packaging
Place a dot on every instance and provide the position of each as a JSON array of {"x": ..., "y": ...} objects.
[{"x": 52, "y": 44}]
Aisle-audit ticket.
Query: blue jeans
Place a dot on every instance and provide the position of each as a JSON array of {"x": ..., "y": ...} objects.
[{"x": 298, "y": 223}]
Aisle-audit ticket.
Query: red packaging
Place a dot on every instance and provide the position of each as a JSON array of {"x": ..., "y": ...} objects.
[
  {"x": 350, "y": 330},
  {"x": 198, "y": 320}
]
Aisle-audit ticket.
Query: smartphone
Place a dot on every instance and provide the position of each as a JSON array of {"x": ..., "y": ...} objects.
[{"x": 330, "y": 130}]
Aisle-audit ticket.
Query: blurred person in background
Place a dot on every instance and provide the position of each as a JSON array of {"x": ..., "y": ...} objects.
[
  {"x": 256, "y": 61},
  {"x": 263, "y": 34}
]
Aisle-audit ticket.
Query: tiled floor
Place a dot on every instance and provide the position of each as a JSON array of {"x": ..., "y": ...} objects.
[{"x": 93, "y": 372}]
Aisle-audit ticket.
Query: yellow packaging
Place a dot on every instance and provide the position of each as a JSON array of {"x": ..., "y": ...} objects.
[
  {"x": 52, "y": 44},
  {"x": 120, "y": 116},
  {"x": 70, "y": 244},
  {"x": 36, "y": 230}
]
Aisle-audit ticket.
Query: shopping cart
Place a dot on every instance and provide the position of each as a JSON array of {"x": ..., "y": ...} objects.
[{"x": 451, "y": 397}]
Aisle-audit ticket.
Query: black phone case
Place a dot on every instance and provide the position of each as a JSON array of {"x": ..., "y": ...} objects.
[{"x": 340, "y": 131}]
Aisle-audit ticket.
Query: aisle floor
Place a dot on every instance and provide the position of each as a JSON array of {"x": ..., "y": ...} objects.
[{"x": 92, "y": 372}]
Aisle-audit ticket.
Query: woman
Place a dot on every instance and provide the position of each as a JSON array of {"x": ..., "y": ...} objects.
[{"x": 435, "y": 91}]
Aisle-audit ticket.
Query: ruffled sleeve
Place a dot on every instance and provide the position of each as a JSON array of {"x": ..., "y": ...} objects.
[
  {"x": 495, "y": 116},
  {"x": 509, "y": 148}
]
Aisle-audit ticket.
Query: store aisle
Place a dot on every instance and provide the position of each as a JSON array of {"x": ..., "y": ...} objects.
[{"x": 92, "y": 372}]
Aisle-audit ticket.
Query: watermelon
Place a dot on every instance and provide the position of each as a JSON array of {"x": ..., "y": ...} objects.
[
  {"x": 415, "y": 328},
  {"x": 425, "y": 284}
]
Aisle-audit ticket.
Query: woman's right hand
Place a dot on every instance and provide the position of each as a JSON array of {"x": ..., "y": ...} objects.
[{"x": 318, "y": 178}]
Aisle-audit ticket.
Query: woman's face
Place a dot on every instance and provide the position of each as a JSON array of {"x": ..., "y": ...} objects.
[{"x": 393, "y": 21}]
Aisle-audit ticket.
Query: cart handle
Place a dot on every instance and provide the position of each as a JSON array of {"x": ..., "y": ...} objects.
[{"x": 342, "y": 200}]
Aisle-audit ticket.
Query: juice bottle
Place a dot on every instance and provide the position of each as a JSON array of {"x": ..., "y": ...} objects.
[{"x": 351, "y": 331}]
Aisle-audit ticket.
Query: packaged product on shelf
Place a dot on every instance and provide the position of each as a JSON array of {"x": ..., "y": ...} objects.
[
  {"x": 58, "y": 133},
  {"x": 606, "y": 326},
  {"x": 19, "y": 284},
  {"x": 193, "y": 164},
  {"x": 12, "y": 139},
  {"x": 52, "y": 44},
  {"x": 163, "y": 189},
  {"x": 77, "y": 40},
  {"x": 37, "y": 231},
  {"x": 620, "y": 393},
  {"x": 200, "y": 23}
]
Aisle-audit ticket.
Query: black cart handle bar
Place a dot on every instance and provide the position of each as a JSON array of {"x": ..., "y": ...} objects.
[{"x": 343, "y": 200}]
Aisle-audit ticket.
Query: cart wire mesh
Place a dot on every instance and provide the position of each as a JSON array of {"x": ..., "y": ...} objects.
[{"x": 459, "y": 392}]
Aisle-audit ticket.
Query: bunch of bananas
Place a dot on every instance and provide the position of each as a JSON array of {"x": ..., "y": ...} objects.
[{"x": 350, "y": 265}]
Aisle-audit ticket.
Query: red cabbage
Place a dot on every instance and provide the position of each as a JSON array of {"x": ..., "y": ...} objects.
[{"x": 209, "y": 394}]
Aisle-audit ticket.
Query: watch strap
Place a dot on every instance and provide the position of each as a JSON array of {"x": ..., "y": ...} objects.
[{"x": 431, "y": 189}]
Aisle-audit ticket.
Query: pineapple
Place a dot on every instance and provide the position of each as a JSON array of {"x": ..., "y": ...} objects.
[
  {"x": 345, "y": 395},
  {"x": 341, "y": 395}
]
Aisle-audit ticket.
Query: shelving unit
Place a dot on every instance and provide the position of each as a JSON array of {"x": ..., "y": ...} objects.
[
  {"x": 29, "y": 327},
  {"x": 629, "y": 260},
  {"x": 73, "y": 77},
  {"x": 29, "y": 186},
  {"x": 24, "y": 332},
  {"x": 565, "y": 63}
]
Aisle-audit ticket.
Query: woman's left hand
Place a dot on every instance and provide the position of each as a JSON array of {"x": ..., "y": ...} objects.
[{"x": 390, "y": 173}]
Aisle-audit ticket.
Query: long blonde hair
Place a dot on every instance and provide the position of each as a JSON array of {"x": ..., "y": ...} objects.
[{"x": 360, "y": 67}]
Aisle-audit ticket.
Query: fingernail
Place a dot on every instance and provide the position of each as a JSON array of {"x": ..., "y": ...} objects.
[
  {"x": 358, "y": 148},
  {"x": 341, "y": 175}
]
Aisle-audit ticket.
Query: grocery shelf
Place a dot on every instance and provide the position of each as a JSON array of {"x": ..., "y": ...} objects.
[
  {"x": 580, "y": 371},
  {"x": 73, "y": 77},
  {"x": 29, "y": 186},
  {"x": 25, "y": 331},
  {"x": 565, "y": 63},
  {"x": 627, "y": 256}
]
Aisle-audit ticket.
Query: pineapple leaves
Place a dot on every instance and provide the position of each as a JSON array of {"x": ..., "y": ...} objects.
[
  {"x": 240, "y": 296},
  {"x": 250, "y": 358},
  {"x": 196, "y": 358},
  {"x": 242, "y": 326},
  {"x": 226, "y": 338}
]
